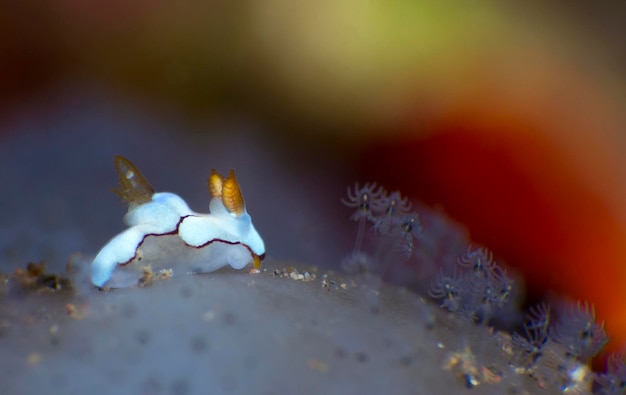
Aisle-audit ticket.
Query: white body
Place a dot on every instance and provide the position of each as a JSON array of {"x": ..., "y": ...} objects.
[{"x": 225, "y": 237}]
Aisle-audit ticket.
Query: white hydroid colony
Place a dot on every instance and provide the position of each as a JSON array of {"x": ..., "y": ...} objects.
[{"x": 162, "y": 228}]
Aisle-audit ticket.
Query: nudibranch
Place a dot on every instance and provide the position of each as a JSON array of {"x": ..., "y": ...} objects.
[{"x": 163, "y": 230}]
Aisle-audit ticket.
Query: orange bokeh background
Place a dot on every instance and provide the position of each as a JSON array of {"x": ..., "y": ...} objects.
[{"x": 503, "y": 177}]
